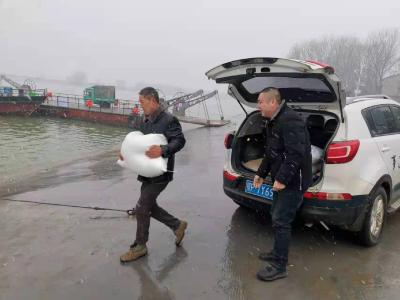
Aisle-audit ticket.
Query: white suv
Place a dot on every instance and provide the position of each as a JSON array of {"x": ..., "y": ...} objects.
[{"x": 356, "y": 143}]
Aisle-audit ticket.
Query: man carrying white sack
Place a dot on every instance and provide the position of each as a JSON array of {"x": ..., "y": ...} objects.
[{"x": 158, "y": 121}]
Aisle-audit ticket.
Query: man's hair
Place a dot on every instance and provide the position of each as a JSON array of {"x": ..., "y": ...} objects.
[
  {"x": 273, "y": 92},
  {"x": 150, "y": 92}
]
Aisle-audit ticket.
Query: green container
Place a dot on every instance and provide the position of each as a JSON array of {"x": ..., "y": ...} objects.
[{"x": 103, "y": 95}]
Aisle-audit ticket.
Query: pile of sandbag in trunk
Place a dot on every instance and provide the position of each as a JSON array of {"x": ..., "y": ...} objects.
[{"x": 316, "y": 153}]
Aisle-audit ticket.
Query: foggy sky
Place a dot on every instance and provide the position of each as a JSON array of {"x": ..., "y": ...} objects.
[{"x": 169, "y": 42}]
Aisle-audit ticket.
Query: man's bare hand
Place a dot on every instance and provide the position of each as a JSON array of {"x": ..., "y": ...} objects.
[
  {"x": 154, "y": 151},
  {"x": 278, "y": 186},
  {"x": 120, "y": 156},
  {"x": 257, "y": 182}
]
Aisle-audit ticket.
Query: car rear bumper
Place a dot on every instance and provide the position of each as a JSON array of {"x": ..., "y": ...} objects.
[{"x": 344, "y": 213}]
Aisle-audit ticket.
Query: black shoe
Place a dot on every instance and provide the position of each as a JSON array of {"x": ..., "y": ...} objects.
[
  {"x": 270, "y": 273},
  {"x": 267, "y": 256}
]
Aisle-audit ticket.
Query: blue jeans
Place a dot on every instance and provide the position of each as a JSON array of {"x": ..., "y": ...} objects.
[{"x": 283, "y": 211}]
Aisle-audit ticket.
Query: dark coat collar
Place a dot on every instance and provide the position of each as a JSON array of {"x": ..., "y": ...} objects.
[
  {"x": 281, "y": 108},
  {"x": 154, "y": 116}
]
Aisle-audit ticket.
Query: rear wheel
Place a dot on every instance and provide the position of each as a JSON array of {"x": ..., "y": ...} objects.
[{"x": 371, "y": 232}]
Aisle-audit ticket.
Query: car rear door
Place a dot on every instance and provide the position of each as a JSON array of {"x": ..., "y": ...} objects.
[
  {"x": 396, "y": 176},
  {"x": 382, "y": 125}
]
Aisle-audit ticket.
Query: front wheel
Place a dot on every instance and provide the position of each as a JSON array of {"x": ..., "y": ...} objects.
[{"x": 371, "y": 231}]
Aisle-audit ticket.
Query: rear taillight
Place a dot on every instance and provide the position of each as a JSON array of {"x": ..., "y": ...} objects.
[
  {"x": 342, "y": 152},
  {"x": 327, "y": 196},
  {"x": 229, "y": 176},
  {"x": 228, "y": 140}
]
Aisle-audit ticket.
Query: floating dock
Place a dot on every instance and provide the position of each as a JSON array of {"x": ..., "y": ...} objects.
[{"x": 120, "y": 113}]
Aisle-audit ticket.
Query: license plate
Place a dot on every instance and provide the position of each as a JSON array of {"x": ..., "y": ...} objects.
[{"x": 265, "y": 191}]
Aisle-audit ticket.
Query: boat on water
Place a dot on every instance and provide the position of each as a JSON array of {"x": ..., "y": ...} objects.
[{"x": 20, "y": 99}]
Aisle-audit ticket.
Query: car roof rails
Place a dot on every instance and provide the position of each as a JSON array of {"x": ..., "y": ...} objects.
[{"x": 360, "y": 98}]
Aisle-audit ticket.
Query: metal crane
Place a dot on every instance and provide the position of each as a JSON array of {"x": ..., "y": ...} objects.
[
  {"x": 11, "y": 82},
  {"x": 27, "y": 86}
]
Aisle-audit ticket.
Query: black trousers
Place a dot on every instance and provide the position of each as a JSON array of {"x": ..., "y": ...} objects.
[
  {"x": 284, "y": 207},
  {"x": 147, "y": 207}
]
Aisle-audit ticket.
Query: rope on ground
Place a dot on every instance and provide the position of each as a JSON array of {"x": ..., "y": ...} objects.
[{"x": 130, "y": 212}]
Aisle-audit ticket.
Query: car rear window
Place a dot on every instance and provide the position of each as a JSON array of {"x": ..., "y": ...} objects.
[
  {"x": 293, "y": 89},
  {"x": 257, "y": 84}
]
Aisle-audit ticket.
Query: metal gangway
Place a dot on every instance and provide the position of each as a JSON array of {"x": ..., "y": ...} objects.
[
  {"x": 182, "y": 98},
  {"x": 179, "y": 108}
]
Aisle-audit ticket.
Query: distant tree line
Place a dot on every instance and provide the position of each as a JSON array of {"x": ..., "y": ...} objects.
[{"x": 361, "y": 64}]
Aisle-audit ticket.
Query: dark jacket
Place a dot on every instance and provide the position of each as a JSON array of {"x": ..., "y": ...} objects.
[
  {"x": 168, "y": 125},
  {"x": 287, "y": 150}
]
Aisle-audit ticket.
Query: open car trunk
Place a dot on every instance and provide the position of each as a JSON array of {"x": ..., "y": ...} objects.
[
  {"x": 312, "y": 88},
  {"x": 249, "y": 144}
]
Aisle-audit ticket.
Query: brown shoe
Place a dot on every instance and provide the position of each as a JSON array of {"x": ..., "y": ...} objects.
[
  {"x": 180, "y": 232},
  {"x": 134, "y": 253}
]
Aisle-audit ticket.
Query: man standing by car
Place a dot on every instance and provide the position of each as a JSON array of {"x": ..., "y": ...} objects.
[
  {"x": 156, "y": 120},
  {"x": 288, "y": 159}
]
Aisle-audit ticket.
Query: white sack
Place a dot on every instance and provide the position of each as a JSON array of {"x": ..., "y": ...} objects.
[
  {"x": 133, "y": 151},
  {"x": 316, "y": 154}
]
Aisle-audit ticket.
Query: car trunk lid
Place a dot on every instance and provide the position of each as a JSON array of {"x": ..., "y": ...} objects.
[{"x": 303, "y": 84}]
